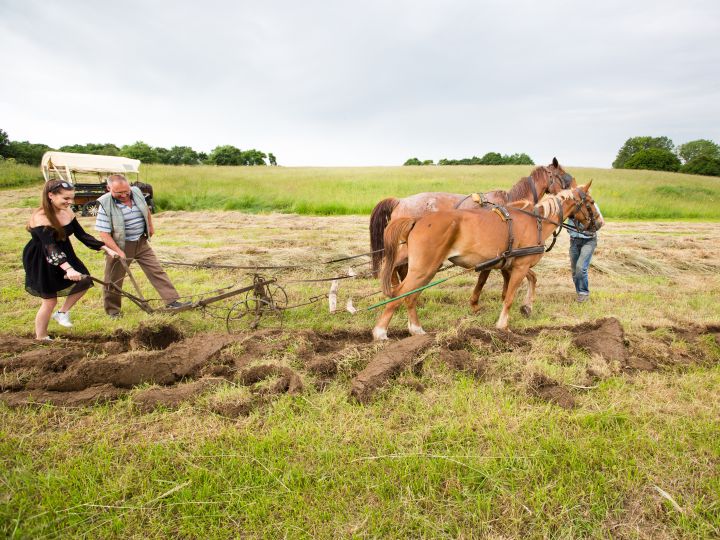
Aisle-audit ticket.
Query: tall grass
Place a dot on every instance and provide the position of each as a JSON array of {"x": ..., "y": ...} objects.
[
  {"x": 14, "y": 175},
  {"x": 622, "y": 194}
]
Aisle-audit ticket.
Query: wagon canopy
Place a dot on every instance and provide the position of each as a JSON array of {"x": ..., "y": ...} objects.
[{"x": 65, "y": 164}]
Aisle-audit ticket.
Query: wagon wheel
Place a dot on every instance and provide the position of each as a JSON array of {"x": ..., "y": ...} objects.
[
  {"x": 90, "y": 208},
  {"x": 250, "y": 313}
]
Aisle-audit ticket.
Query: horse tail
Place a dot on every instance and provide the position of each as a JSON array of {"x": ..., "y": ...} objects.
[
  {"x": 397, "y": 231},
  {"x": 379, "y": 219}
]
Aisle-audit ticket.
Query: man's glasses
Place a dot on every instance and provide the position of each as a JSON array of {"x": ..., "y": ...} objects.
[
  {"x": 61, "y": 185},
  {"x": 120, "y": 193}
]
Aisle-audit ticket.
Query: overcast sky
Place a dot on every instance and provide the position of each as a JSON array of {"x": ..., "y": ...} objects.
[{"x": 362, "y": 82}]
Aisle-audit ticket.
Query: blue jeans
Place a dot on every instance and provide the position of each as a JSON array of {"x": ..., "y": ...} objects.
[{"x": 581, "y": 250}]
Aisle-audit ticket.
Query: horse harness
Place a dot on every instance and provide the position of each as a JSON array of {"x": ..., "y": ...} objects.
[{"x": 506, "y": 257}]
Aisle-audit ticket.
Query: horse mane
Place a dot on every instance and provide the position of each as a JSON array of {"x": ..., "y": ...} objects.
[
  {"x": 521, "y": 190},
  {"x": 550, "y": 204},
  {"x": 522, "y": 204}
]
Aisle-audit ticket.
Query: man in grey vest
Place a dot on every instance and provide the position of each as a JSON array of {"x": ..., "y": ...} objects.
[{"x": 125, "y": 225}]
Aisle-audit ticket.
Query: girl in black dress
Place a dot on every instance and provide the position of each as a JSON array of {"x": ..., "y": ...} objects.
[{"x": 51, "y": 267}]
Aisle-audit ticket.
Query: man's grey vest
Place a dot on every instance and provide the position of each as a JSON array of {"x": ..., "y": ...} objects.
[{"x": 117, "y": 221}]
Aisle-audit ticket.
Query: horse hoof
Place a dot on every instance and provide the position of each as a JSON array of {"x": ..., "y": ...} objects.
[
  {"x": 526, "y": 310},
  {"x": 415, "y": 330},
  {"x": 379, "y": 334}
]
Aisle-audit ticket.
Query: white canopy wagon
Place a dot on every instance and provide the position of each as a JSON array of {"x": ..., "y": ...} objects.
[{"x": 89, "y": 173}]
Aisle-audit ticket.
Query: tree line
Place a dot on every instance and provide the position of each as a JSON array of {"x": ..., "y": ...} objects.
[
  {"x": 701, "y": 156},
  {"x": 31, "y": 153},
  {"x": 491, "y": 158}
]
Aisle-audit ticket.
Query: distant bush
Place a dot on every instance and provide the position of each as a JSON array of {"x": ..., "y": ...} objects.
[
  {"x": 637, "y": 144},
  {"x": 654, "y": 159},
  {"x": 491, "y": 158},
  {"x": 704, "y": 165}
]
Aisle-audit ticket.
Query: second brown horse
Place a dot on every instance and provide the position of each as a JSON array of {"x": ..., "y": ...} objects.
[{"x": 468, "y": 238}]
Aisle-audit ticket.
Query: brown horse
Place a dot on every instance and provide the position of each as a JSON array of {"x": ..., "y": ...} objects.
[
  {"x": 542, "y": 180},
  {"x": 470, "y": 238}
]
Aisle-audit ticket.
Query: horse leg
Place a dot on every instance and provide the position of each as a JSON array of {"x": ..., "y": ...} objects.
[
  {"x": 414, "y": 326},
  {"x": 515, "y": 278},
  {"x": 414, "y": 280},
  {"x": 482, "y": 278},
  {"x": 506, "y": 278},
  {"x": 526, "y": 308}
]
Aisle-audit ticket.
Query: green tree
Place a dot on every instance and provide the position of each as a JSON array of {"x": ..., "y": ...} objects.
[
  {"x": 695, "y": 149},
  {"x": 491, "y": 158},
  {"x": 163, "y": 155},
  {"x": 4, "y": 141},
  {"x": 225, "y": 155},
  {"x": 272, "y": 159},
  {"x": 653, "y": 159},
  {"x": 183, "y": 155},
  {"x": 704, "y": 165},
  {"x": 26, "y": 152},
  {"x": 140, "y": 150},
  {"x": 428, "y": 162},
  {"x": 635, "y": 144},
  {"x": 253, "y": 157},
  {"x": 106, "y": 149},
  {"x": 412, "y": 161},
  {"x": 519, "y": 159}
]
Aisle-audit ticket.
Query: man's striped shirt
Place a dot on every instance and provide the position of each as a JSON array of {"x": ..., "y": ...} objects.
[{"x": 134, "y": 221}]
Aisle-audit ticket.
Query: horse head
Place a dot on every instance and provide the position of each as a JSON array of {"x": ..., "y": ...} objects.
[
  {"x": 583, "y": 209},
  {"x": 558, "y": 178}
]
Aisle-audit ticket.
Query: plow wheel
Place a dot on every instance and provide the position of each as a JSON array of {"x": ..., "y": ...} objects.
[
  {"x": 252, "y": 313},
  {"x": 263, "y": 305}
]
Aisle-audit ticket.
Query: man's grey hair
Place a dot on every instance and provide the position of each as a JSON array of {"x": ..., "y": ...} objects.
[{"x": 115, "y": 178}]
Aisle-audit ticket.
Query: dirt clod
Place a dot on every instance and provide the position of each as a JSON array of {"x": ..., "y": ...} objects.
[
  {"x": 388, "y": 364},
  {"x": 605, "y": 337},
  {"x": 550, "y": 390},
  {"x": 173, "y": 396},
  {"x": 155, "y": 337},
  {"x": 463, "y": 360}
]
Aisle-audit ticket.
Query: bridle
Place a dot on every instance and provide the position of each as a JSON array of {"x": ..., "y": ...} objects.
[{"x": 565, "y": 179}]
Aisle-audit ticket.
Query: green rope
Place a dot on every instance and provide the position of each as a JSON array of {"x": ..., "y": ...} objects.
[{"x": 412, "y": 292}]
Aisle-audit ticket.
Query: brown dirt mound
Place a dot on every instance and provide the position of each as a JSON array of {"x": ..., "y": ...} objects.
[
  {"x": 85, "y": 370},
  {"x": 15, "y": 344},
  {"x": 288, "y": 381},
  {"x": 87, "y": 396},
  {"x": 550, "y": 390},
  {"x": 155, "y": 337},
  {"x": 605, "y": 337},
  {"x": 173, "y": 396},
  {"x": 462, "y": 360},
  {"x": 129, "y": 369},
  {"x": 389, "y": 362}
]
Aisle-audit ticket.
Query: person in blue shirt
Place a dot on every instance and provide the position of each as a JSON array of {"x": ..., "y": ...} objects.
[{"x": 582, "y": 245}]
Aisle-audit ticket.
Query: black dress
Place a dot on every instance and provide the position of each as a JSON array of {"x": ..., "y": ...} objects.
[{"x": 43, "y": 256}]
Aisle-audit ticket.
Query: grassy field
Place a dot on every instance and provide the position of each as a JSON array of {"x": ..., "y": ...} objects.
[
  {"x": 14, "y": 175},
  {"x": 466, "y": 457},
  {"x": 622, "y": 194}
]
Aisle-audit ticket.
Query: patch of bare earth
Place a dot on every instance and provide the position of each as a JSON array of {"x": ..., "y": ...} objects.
[{"x": 180, "y": 369}]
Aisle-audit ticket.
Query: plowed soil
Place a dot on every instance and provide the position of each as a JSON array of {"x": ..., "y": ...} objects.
[{"x": 160, "y": 367}]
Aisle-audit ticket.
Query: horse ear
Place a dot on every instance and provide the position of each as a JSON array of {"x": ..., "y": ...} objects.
[
  {"x": 555, "y": 162},
  {"x": 586, "y": 187}
]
